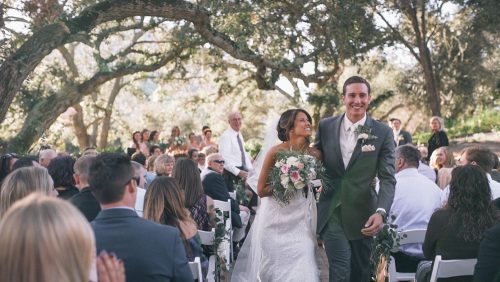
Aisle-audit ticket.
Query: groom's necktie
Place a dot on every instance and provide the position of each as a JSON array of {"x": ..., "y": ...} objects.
[
  {"x": 242, "y": 151},
  {"x": 351, "y": 136}
]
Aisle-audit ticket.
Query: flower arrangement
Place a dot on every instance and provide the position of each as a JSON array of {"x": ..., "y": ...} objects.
[
  {"x": 294, "y": 171},
  {"x": 364, "y": 133},
  {"x": 386, "y": 240},
  {"x": 179, "y": 140}
]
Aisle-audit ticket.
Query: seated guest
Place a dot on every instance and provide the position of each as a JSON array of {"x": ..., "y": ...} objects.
[
  {"x": 61, "y": 171},
  {"x": 139, "y": 157},
  {"x": 488, "y": 259},
  {"x": 455, "y": 231},
  {"x": 442, "y": 161},
  {"x": 427, "y": 171},
  {"x": 25, "y": 162},
  {"x": 154, "y": 150},
  {"x": 139, "y": 173},
  {"x": 150, "y": 171},
  {"x": 199, "y": 205},
  {"x": 193, "y": 155},
  {"x": 164, "y": 205},
  {"x": 84, "y": 200},
  {"x": 90, "y": 151},
  {"x": 482, "y": 157},
  {"x": 164, "y": 164},
  {"x": 45, "y": 239},
  {"x": 215, "y": 187},
  {"x": 7, "y": 162},
  {"x": 495, "y": 174},
  {"x": 201, "y": 161},
  {"x": 46, "y": 156},
  {"x": 412, "y": 212},
  {"x": 22, "y": 182},
  {"x": 423, "y": 153},
  {"x": 150, "y": 251}
]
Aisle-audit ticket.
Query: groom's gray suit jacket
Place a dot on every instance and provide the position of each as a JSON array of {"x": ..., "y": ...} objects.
[{"x": 353, "y": 188}]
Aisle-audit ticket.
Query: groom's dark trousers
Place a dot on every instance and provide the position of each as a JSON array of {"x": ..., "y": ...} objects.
[{"x": 351, "y": 259}]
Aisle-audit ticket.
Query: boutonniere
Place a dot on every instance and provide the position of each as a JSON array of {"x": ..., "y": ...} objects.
[
  {"x": 364, "y": 133},
  {"x": 401, "y": 137}
]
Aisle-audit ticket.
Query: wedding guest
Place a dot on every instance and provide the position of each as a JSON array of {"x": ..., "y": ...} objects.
[
  {"x": 150, "y": 252},
  {"x": 401, "y": 137},
  {"x": 411, "y": 212},
  {"x": 164, "y": 164},
  {"x": 442, "y": 161},
  {"x": 45, "y": 239},
  {"x": 427, "y": 171},
  {"x": 150, "y": 170},
  {"x": 438, "y": 138},
  {"x": 139, "y": 177},
  {"x": 193, "y": 155},
  {"x": 143, "y": 145},
  {"x": 164, "y": 205},
  {"x": 155, "y": 150},
  {"x": 215, "y": 187},
  {"x": 232, "y": 149},
  {"x": 61, "y": 171},
  {"x": 7, "y": 161},
  {"x": 207, "y": 139},
  {"x": 46, "y": 156},
  {"x": 135, "y": 146},
  {"x": 90, "y": 151},
  {"x": 199, "y": 205},
  {"x": 25, "y": 162},
  {"x": 139, "y": 157},
  {"x": 21, "y": 183},
  {"x": 488, "y": 259},
  {"x": 84, "y": 201},
  {"x": 455, "y": 231},
  {"x": 193, "y": 144},
  {"x": 424, "y": 153},
  {"x": 154, "y": 137},
  {"x": 201, "y": 161},
  {"x": 495, "y": 174}
]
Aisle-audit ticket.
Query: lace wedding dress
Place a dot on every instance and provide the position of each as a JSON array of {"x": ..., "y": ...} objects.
[{"x": 281, "y": 243}]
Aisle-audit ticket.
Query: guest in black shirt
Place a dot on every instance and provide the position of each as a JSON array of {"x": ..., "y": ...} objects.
[
  {"x": 438, "y": 137},
  {"x": 85, "y": 200}
]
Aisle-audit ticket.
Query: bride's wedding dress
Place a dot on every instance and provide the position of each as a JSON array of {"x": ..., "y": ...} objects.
[{"x": 281, "y": 243}]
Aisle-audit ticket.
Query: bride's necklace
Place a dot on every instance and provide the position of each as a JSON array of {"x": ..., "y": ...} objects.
[{"x": 302, "y": 149}]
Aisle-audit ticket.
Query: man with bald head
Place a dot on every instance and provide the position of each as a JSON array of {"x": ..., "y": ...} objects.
[{"x": 46, "y": 156}]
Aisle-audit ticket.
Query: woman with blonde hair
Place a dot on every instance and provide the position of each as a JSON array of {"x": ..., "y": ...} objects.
[
  {"x": 164, "y": 204},
  {"x": 443, "y": 162},
  {"x": 22, "y": 182},
  {"x": 438, "y": 138}
]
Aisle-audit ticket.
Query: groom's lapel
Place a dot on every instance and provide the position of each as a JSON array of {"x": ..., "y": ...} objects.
[
  {"x": 357, "y": 150},
  {"x": 336, "y": 144}
]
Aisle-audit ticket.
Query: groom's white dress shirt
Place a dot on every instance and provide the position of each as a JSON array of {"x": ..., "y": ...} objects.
[
  {"x": 415, "y": 200},
  {"x": 230, "y": 151},
  {"x": 348, "y": 138}
]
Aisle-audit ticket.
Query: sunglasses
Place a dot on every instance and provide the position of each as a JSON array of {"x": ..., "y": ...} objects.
[{"x": 219, "y": 161}]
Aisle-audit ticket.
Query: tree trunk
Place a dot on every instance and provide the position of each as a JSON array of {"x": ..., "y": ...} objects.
[
  {"x": 106, "y": 123},
  {"x": 79, "y": 127},
  {"x": 431, "y": 86}
]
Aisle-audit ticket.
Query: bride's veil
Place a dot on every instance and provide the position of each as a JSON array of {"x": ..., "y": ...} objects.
[{"x": 247, "y": 265}]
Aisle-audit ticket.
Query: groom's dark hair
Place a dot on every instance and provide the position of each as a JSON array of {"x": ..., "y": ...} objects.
[{"x": 356, "y": 79}]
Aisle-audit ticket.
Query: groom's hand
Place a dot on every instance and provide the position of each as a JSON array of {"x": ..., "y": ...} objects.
[{"x": 373, "y": 225}]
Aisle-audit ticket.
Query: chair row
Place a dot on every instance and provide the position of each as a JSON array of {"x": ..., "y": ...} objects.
[{"x": 441, "y": 269}]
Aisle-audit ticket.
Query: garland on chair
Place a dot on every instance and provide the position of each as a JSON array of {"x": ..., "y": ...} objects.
[
  {"x": 221, "y": 269},
  {"x": 241, "y": 195},
  {"x": 386, "y": 241}
]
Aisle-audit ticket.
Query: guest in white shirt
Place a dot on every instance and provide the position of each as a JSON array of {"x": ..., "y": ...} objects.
[
  {"x": 139, "y": 173},
  {"x": 415, "y": 200},
  {"x": 232, "y": 149},
  {"x": 482, "y": 157}
]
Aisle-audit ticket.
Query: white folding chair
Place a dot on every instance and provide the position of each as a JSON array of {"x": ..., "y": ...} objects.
[
  {"x": 196, "y": 269},
  {"x": 452, "y": 268},
  {"x": 207, "y": 239},
  {"x": 412, "y": 236},
  {"x": 225, "y": 207}
]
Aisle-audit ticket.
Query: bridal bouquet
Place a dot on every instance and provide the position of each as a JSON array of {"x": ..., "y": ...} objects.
[
  {"x": 292, "y": 172},
  {"x": 179, "y": 140}
]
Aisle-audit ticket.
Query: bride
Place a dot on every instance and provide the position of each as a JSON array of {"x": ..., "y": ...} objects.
[{"x": 281, "y": 243}]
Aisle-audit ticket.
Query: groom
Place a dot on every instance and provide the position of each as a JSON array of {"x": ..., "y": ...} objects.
[{"x": 349, "y": 211}]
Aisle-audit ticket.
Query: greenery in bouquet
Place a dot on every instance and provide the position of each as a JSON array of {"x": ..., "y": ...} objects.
[
  {"x": 293, "y": 172},
  {"x": 241, "y": 195},
  {"x": 179, "y": 140},
  {"x": 387, "y": 240}
]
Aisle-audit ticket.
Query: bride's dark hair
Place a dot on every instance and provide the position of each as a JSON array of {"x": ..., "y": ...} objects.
[{"x": 287, "y": 121}]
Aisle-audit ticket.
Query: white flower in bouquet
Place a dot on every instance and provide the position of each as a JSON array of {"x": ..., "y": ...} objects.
[
  {"x": 279, "y": 164},
  {"x": 284, "y": 180},
  {"x": 293, "y": 161},
  {"x": 299, "y": 185}
]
